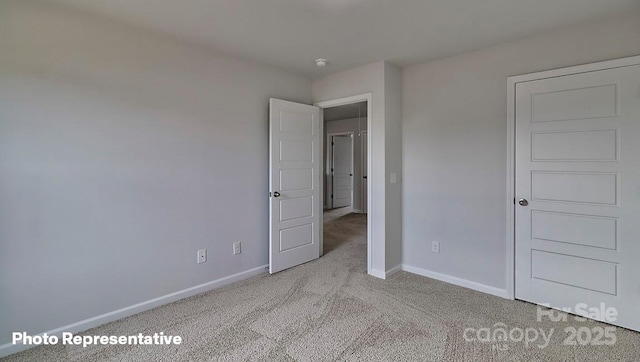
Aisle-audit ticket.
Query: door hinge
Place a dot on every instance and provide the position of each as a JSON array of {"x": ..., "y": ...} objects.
[
  {"x": 269, "y": 194},
  {"x": 331, "y": 143},
  {"x": 514, "y": 200},
  {"x": 332, "y": 196}
]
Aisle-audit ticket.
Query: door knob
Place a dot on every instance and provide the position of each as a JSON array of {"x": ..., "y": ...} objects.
[
  {"x": 523, "y": 202},
  {"x": 276, "y": 194}
]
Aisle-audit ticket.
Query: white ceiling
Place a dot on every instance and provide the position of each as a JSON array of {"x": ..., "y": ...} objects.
[{"x": 291, "y": 34}]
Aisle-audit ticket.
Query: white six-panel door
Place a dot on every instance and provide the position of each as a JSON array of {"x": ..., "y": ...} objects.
[
  {"x": 578, "y": 175},
  {"x": 342, "y": 170},
  {"x": 294, "y": 184}
]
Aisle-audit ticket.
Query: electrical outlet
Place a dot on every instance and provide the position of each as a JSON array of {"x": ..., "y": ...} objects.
[
  {"x": 435, "y": 246},
  {"x": 237, "y": 248},
  {"x": 202, "y": 256}
]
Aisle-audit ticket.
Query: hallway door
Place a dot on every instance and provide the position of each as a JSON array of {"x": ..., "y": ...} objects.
[
  {"x": 294, "y": 184},
  {"x": 342, "y": 170}
]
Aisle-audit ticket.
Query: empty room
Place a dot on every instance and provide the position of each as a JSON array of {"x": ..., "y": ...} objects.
[{"x": 319, "y": 180}]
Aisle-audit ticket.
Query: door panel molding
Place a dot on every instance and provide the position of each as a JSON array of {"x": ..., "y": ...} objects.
[
  {"x": 585, "y": 165},
  {"x": 510, "y": 204},
  {"x": 294, "y": 192}
]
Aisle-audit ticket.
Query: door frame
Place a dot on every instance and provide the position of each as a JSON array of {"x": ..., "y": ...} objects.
[
  {"x": 329, "y": 153},
  {"x": 511, "y": 145},
  {"x": 363, "y": 163},
  {"x": 340, "y": 102}
]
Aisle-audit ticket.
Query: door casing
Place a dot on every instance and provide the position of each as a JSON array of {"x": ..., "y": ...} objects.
[
  {"x": 364, "y": 155},
  {"x": 511, "y": 149},
  {"x": 365, "y": 97}
]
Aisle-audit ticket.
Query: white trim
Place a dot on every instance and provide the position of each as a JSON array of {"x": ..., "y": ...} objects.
[
  {"x": 385, "y": 275},
  {"x": 9, "y": 348},
  {"x": 502, "y": 293},
  {"x": 393, "y": 270},
  {"x": 362, "y": 163},
  {"x": 511, "y": 169},
  {"x": 349, "y": 100},
  {"x": 584, "y": 68},
  {"x": 511, "y": 127},
  {"x": 377, "y": 273},
  {"x": 321, "y": 183},
  {"x": 346, "y": 100}
]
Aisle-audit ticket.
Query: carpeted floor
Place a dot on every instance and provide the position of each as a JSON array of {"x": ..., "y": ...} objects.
[{"x": 331, "y": 310}]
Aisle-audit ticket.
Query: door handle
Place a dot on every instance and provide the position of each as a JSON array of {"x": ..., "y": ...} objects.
[
  {"x": 523, "y": 202},
  {"x": 276, "y": 194},
  {"x": 364, "y": 176}
]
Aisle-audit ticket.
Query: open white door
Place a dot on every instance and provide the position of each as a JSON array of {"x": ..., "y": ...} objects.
[
  {"x": 294, "y": 184},
  {"x": 342, "y": 170},
  {"x": 578, "y": 185}
]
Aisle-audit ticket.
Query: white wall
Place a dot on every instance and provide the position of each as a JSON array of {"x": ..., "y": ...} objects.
[
  {"x": 393, "y": 164},
  {"x": 121, "y": 154},
  {"x": 355, "y": 125},
  {"x": 454, "y": 144},
  {"x": 382, "y": 80}
]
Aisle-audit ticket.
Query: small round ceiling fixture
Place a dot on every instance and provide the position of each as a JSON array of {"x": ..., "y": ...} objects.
[{"x": 321, "y": 62}]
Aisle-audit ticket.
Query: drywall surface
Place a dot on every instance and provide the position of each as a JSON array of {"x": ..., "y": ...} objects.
[
  {"x": 355, "y": 125},
  {"x": 121, "y": 154},
  {"x": 393, "y": 163},
  {"x": 454, "y": 144},
  {"x": 365, "y": 79}
]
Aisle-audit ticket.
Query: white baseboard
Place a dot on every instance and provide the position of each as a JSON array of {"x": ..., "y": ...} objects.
[
  {"x": 9, "y": 348},
  {"x": 384, "y": 275},
  {"x": 378, "y": 273},
  {"x": 457, "y": 281},
  {"x": 393, "y": 270}
]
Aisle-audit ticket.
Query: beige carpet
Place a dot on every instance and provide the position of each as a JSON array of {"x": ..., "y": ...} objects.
[{"x": 331, "y": 310}]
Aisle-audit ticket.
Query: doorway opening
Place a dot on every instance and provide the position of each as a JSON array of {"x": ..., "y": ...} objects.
[{"x": 345, "y": 183}]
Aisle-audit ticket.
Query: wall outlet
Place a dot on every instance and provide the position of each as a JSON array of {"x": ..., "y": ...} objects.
[
  {"x": 237, "y": 248},
  {"x": 435, "y": 246},
  {"x": 202, "y": 256}
]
